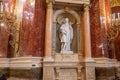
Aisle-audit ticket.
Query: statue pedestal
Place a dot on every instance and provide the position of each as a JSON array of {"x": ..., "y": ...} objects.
[
  {"x": 68, "y": 67},
  {"x": 66, "y": 52},
  {"x": 67, "y": 57}
]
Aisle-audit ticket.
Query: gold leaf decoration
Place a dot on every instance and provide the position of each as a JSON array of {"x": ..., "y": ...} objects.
[{"x": 115, "y": 3}]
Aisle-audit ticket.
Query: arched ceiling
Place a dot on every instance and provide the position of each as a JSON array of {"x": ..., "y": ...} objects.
[{"x": 115, "y": 3}]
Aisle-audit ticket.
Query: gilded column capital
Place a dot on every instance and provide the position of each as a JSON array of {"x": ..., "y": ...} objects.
[
  {"x": 49, "y": 5},
  {"x": 50, "y": 1},
  {"x": 86, "y": 7}
]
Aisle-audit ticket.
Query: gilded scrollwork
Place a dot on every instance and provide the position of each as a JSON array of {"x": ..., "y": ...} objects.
[
  {"x": 14, "y": 33},
  {"x": 112, "y": 33}
]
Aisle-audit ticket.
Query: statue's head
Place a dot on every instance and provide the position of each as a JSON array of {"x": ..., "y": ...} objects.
[{"x": 66, "y": 20}]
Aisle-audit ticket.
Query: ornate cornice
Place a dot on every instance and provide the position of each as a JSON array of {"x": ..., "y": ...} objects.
[
  {"x": 115, "y": 3},
  {"x": 71, "y": 1},
  {"x": 50, "y": 1}
]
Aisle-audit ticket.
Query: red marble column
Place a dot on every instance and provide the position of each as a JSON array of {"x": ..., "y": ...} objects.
[
  {"x": 95, "y": 28},
  {"x": 98, "y": 28},
  {"x": 32, "y": 30}
]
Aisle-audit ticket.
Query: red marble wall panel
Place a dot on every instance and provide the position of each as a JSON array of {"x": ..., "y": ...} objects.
[
  {"x": 95, "y": 28},
  {"x": 115, "y": 9},
  {"x": 32, "y": 31},
  {"x": 27, "y": 30},
  {"x": 117, "y": 47},
  {"x": 39, "y": 24},
  {"x": 4, "y": 38},
  {"x": 97, "y": 24}
]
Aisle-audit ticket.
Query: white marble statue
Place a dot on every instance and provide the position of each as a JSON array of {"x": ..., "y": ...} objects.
[{"x": 66, "y": 36}]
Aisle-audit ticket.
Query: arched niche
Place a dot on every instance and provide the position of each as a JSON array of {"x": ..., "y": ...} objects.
[{"x": 75, "y": 21}]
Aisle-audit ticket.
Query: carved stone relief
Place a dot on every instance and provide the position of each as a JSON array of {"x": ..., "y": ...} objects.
[
  {"x": 90, "y": 73},
  {"x": 48, "y": 73},
  {"x": 66, "y": 73}
]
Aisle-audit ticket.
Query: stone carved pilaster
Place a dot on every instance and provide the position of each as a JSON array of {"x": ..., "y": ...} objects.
[
  {"x": 90, "y": 69},
  {"x": 79, "y": 40},
  {"x": 57, "y": 73},
  {"x": 54, "y": 37},
  {"x": 79, "y": 77},
  {"x": 91, "y": 73},
  {"x": 48, "y": 71}
]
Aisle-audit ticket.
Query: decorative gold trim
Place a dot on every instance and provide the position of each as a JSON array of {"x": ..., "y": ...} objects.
[{"x": 115, "y": 3}]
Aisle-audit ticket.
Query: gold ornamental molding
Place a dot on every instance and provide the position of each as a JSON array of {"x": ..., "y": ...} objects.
[{"x": 115, "y": 3}]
